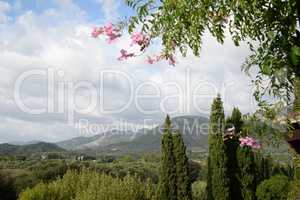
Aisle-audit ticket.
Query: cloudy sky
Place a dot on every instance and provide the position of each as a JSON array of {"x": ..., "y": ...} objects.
[{"x": 56, "y": 78}]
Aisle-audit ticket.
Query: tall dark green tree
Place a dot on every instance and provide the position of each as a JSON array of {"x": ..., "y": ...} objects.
[
  {"x": 236, "y": 120},
  {"x": 232, "y": 144},
  {"x": 167, "y": 185},
  {"x": 183, "y": 183},
  {"x": 217, "y": 180}
]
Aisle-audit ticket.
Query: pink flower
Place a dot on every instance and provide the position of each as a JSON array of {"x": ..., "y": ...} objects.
[
  {"x": 109, "y": 29},
  {"x": 112, "y": 37},
  {"x": 97, "y": 31},
  {"x": 139, "y": 39},
  {"x": 125, "y": 55},
  {"x": 151, "y": 60},
  {"x": 111, "y": 32},
  {"x": 249, "y": 142}
]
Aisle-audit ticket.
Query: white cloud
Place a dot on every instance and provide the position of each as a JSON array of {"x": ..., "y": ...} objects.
[{"x": 59, "y": 40}]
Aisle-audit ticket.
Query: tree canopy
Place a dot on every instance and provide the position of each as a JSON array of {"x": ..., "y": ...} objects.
[{"x": 268, "y": 26}]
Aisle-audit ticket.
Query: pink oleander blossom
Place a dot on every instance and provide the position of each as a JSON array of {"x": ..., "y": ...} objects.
[
  {"x": 109, "y": 29},
  {"x": 139, "y": 39},
  {"x": 249, "y": 142},
  {"x": 113, "y": 37},
  {"x": 97, "y": 31},
  {"x": 125, "y": 55}
]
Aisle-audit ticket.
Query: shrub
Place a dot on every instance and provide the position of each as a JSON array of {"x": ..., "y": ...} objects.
[
  {"x": 275, "y": 188},
  {"x": 87, "y": 185},
  {"x": 49, "y": 170}
]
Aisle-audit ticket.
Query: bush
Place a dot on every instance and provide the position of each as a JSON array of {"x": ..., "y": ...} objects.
[
  {"x": 275, "y": 188},
  {"x": 48, "y": 170},
  {"x": 87, "y": 185}
]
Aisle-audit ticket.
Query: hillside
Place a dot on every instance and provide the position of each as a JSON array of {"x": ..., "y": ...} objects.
[
  {"x": 97, "y": 141},
  {"x": 41, "y": 147},
  {"x": 192, "y": 128}
]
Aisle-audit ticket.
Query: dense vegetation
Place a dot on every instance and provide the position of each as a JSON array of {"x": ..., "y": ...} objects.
[
  {"x": 10, "y": 149},
  {"x": 228, "y": 170},
  {"x": 19, "y": 172},
  {"x": 274, "y": 188},
  {"x": 88, "y": 185},
  {"x": 238, "y": 170}
]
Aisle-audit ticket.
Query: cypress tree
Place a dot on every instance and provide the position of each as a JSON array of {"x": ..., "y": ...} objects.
[
  {"x": 232, "y": 145},
  {"x": 236, "y": 120},
  {"x": 217, "y": 180},
  {"x": 167, "y": 184},
  {"x": 183, "y": 184},
  {"x": 232, "y": 168}
]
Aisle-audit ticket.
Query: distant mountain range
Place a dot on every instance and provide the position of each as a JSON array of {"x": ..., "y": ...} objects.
[
  {"x": 40, "y": 147},
  {"x": 25, "y": 143},
  {"x": 97, "y": 141},
  {"x": 193, "y": 129}
]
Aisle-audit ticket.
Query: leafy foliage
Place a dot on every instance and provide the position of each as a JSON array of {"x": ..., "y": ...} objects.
[
  {"x": 175, "y": 180},
  {"x": 183, "y": 183},
  {"x": 88, "y": 185},
  {"x": 274, "y": 188},
  {"x": 167, "y": 183},
  {"x": 13, "y": 181},
  {"x": 236, "y": 120},
  {"x": 270, "y": 25},
  {"x": 217, "y": 180},
  {"x": 41, "y": 147}
]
